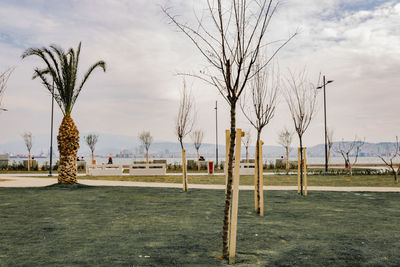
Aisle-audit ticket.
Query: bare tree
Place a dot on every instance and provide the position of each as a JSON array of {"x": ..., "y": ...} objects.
[
  {"x": 285, "y": 139},
  {"x": 230, "y": 39},
  {"x": 349, "y": 149},
  {"x": 3, "y": 85},
  {"x": 184, "y": 125},
  {"x": 91, "y": 141},
  {"x": 330, "y": 142},
  {"x": 301, "y": 97},
  {"x": 390, "y": 155},
  {"x": 246, "y": 143},
  {"x": 146, "y": 139},
  {"x": 197, "y": 139},
  {"x": 27, "y": 136},
  {"x": 261, "y": 109}
]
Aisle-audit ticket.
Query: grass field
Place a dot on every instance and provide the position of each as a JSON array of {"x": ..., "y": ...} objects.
[
  {"x": 126, "y": 226},
  {"x": 313, "y": 180}
]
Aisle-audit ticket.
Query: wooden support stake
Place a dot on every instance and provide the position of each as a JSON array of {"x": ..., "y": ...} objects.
[
  {"x": 298, "y": 170},
  {"x": 287, "y": 160},
  {"x": 261, "y": 179},
  {"x": 29, "y": 162},
  {"x": 256, "y": 172},
  {"x": 235, "y": 199},
  {"x": 184, "y": 175},
  {"x": 305, "y": 171}
]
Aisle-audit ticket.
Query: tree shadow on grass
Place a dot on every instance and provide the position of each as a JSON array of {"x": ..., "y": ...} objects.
[{"x": 69, "y": 186}]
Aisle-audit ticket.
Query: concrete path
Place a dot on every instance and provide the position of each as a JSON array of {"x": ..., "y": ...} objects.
[{"x": 26, "y": 181}]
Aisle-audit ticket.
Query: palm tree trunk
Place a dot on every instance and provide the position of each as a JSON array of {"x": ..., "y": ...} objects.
[
  {"x": 68, "y": 145},
  {"x": 228, "y": 193}
]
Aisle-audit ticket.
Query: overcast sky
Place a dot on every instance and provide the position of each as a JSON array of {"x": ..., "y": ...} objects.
[{"x": 355, "y": 43}]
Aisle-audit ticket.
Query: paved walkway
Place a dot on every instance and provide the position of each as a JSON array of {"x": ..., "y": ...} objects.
[{"x": 12, "y": 180}]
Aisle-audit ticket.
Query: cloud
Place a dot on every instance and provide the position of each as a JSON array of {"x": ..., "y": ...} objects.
[{"x": 356, "y": 44}]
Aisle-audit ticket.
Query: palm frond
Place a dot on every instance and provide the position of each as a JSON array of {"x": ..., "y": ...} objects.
[
  {"x": 62, "y": 68},
  {"x": 99, "y": 64}
]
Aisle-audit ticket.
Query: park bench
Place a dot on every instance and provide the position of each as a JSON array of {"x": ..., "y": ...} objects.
[
  {"x": 245, "y": 168},
  {"x": 104, "y": 170},
  {"x": 143, "y": 169}
]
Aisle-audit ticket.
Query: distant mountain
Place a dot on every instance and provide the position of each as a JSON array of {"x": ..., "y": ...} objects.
[
  {"x": 130, "y": 145},
  {"x": 41, "y": 143}
]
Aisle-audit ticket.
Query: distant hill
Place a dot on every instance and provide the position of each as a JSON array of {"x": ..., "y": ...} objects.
[{"x": 130, "y": 144}]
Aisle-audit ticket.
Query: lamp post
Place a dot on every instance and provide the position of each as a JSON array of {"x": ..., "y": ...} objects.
[
  {"x": 326, "y": 134},
  {"x": 51, "y": 132},
  {"x": 216, "y": 134}
]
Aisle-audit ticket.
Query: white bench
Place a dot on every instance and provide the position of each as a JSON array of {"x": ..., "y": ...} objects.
[
  {"x": 104, "y": 170},
  {"x": 143, "y": 169},
  {"x": 245, "y": 168}
]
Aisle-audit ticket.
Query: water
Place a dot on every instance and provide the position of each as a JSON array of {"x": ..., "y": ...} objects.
[{"x": 100, "y": 160}]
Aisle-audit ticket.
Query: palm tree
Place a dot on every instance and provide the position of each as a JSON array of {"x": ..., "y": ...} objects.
[{"x": 61, "y": 69}]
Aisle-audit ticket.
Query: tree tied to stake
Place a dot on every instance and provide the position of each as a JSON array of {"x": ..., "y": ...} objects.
[
  {"x": 146, "y": 139},
  {"x": 197, "y": 139},
  {"x": 285, "y": 139},
  {"x": 91, "y": 141},
  {"x": 300, "y": 95},
  {"x": 184, "y": 123},
  {"x": 246, "y": 143},
  {"x": 61, "y": 69},
  {"x": 264, "y": 89},
  {"x": 27, "y": 136},
  {"x": 230, "y": 36}
]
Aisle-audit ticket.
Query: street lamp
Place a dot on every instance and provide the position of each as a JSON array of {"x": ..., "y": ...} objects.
[
  {"x": 326, "y": 134},
  {"x": 216, "y": 134},
  {"x": 51, "y": 132}
]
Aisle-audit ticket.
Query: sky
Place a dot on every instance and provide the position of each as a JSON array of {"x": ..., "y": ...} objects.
[{"x": 355, "y": 43}]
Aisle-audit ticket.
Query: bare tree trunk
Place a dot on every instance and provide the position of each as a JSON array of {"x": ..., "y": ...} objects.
[
  {"x": 350, "y": 168},
  {"x": 257, "y": 173},
  {"x": 247, "y": 154},
  {"x": 147, "y": 157},
  {"x": 93, "y": 162},
  {"x": 329, "y": 156},
  {"x": 287, "y": 158},
  {"x": 301, "y": 166},
  {"x": 228, "y": 195},
  {"x": 198, "y": 160},
  {"x": 29, "y": 161},
  {"x": 396, "y": 180}
]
